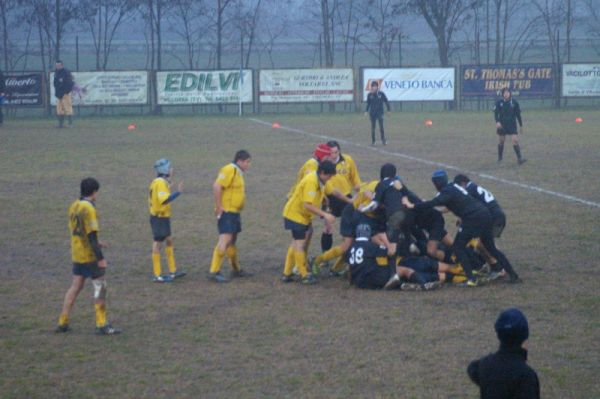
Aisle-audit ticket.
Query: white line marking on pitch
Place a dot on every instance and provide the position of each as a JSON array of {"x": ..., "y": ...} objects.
[{"x": 437, "y": 164}]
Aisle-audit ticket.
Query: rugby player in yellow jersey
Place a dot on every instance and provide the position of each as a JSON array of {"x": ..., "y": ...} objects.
[
  {"x": 322, "y": 153},
  {"x": 349, "y": 220},
  {"x": 159, "y": 202},
  {"x": 230, "y": 195},
  {"x": 301, "y": 207},
  {"x": 88, "y": 260},
  {"x": 339, "y": 190}
]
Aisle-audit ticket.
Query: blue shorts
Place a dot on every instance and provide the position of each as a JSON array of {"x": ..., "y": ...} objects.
[
  {"x": 230, "y": 223},
  {"x": 348, "y": 222},
  {"x": 88, "y": 270},
  {"x": 161, "y": 228},
  {"x": 298, "y": 230}
]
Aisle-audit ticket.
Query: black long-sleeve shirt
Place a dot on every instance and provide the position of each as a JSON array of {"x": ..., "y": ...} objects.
[
  {"x": 63, "y": 82},
  {"x": 375, "y": 102},
  {"x": 508, "y": 113},
  {"x": 505, "y": 375},
  {"x": 484, "y": 196},
  {"x": 456, "y": 199}
]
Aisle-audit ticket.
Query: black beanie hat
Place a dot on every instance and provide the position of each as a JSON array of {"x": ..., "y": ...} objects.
[{"x": 512, "y": 327}]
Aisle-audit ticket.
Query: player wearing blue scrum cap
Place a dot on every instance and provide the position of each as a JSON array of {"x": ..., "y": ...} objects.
[
  {"x": 159, "y": 202},
  {"x": 476, "y": 221}
]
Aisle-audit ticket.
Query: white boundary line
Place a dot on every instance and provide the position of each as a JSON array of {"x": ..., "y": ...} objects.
[{"x": 437, "y": 164}]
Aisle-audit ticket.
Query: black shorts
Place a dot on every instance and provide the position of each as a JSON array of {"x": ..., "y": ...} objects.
[
  {"x": 348, "y": 222},
  {"x": 88, "y": 270},
  {"x": 498, "y": 224},
  {"x": 161, "y": 228},
  {"x": 229, "y": 223},
  {"x": 507, "y": 132},
  {"x": 395, "y": 222},
  {"x": 381, "y": 276},
  {"x": 433, "y": 223},
  {"x": 336, "y": 205},
  {"x": 421, "y": 264},
  {"x": 377, "y": 224},
  {"x": 298, "y": 230}
]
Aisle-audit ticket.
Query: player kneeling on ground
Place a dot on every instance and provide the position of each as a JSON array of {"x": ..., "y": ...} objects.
[
  {"x": 301, "y": 207},
  {"x": 159, "y": 201},
  {"x": 88, "y": 260},
  {"x": 230, "y": 195},
  {"x": 369, "y": 266}
]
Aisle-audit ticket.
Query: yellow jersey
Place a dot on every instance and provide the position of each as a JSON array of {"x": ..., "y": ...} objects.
[
  {"x": 233, "y": 197},
  {"x": 310, "y": 166},
  {"x": 159, "y": 192},
  {"x": 309, "y": 190},
  {"x": 362, "y": 198},
  {"x": 346, "y": 176},
  {"x": 82, "y": 221}
]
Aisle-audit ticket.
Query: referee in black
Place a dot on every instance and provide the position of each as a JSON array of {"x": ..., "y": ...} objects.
[
  {"x": 2, "y": 98},
  {"x": 506, "y": 113},
  {"x": 375, "y": 101}
]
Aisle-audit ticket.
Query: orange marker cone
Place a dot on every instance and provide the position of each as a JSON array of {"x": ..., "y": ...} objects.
[
  {"x": 578, "y": 119},
  {"x": 428, "y": 122},
  {"x": 276, "y": 125},
  {"x": 131, "y": 127}
]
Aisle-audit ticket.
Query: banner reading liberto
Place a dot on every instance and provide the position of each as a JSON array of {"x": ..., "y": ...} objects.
[
  {"x": 107, "y": 88},
  {"x": 411, "y": 84},
  {"x": 306, "y": 85},
  {"x": 23, "y": 89},
  {"x": 524, "y": 80},
  {"x": 581, "y": 80},
  {"x": 204, "y": 87}
]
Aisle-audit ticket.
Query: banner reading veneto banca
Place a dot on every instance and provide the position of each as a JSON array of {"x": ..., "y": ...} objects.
[{"x": 411, "y": 84}]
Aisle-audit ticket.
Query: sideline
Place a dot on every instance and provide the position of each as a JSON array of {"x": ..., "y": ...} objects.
[{"x": 437, "y": 164}]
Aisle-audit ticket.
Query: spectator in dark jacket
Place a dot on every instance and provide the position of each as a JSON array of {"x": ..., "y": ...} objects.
[
  {"x": 63, "y": 85},
  {"x": 505, "y": 374},
  {"x": 2, "y": 94}
]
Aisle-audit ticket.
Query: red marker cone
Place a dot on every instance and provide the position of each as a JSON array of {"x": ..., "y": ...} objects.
[
  {"x": 276, "y": 125},
  {"x": 578, "y": 119},
  {"x": 428, "y": 122},
  {"x": 131, "y": 126}
]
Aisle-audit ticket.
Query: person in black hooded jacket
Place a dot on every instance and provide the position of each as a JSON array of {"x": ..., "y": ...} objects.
[{"x": 506, "y": 374}]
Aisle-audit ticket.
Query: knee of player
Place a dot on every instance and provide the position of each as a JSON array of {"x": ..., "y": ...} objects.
[{"x": 99, "y": 289}]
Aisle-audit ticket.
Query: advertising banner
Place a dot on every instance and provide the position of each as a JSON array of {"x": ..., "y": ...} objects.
[
  {"x": 581, "y": 80},
  {"x": 524, "y": 80},
  {"x": 107, "y": 88},
  {"x": 411, "y": 84},
  {"x": 23, "y": 89},
  {"x": 306, "y": 85},
  {"x": 204, "y": 87}
]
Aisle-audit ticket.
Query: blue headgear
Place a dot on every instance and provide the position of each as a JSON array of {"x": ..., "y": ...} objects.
[
  {"x": 162, "y": 166},
  {"x": 363, "y": 231},
  {"x": 512, "y": 327},
  {"x": 439, "y": 179}
]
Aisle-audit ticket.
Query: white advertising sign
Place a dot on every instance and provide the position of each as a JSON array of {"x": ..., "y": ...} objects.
[
  {"x": 204, "y": 87},
  {"x": 411, "y": 84},
  {"x": 581, "y": 80},
  {"x": 107, "y": 88},
  {"x": 306, "y": 85}
]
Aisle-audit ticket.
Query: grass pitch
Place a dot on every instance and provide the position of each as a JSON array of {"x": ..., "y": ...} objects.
[{"x": 260, "y": 338}]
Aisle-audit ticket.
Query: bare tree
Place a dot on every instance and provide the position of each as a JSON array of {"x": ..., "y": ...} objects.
[
  {"x": 552, "y": 15},
  {"x": 384, "y": 20},
  {"x": 592, "y": 23},
  {"x": 103, "y": 18},
  {"x": 188, "y": 21},
  {"x": 349, "y": 24},
  {"x": 444, "y": 17}
]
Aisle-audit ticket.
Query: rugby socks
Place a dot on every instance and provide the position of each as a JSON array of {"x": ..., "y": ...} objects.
[
  {"x": 100, "y": 314},
  {"x": 63, "y": 320},
  {"x": 339, "y": 265},
  {"x": 61, "y": 120},
  {"x": 156, "y": 263},
  {"x": 329, "y": 255},
  {"x": 70, "y": 119},
  {"x": 233, "y": 257},
  {"x": 170, "y": 259},
  {"x": 517, "y": 149},
  {"x": 500, "y": 151},
  {"x": 217, "y": 259},
  {"x": 300, "y": 258},
  {"x": 326, "y": 242},
  {"x": 289, "y": 262}
]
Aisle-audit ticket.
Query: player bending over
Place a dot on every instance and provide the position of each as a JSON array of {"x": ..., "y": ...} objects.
[{"x": 300, "y": 209}]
